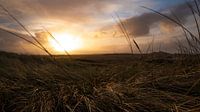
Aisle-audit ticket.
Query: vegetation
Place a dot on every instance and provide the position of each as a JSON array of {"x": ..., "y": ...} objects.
[{"x": 98, "y": 83}]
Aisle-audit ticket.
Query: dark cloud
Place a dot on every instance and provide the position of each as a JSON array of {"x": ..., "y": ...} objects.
[
  {"x": 12, "y": 43},
  {"x": 141, "y": 25},
  {"x": 9, "y": 42}
]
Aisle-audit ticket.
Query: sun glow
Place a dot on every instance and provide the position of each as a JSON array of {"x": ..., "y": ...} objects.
[{"x": 65, "y": 42}]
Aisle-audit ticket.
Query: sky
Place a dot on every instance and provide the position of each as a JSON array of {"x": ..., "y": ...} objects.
[{"x": 89, "y": 26}]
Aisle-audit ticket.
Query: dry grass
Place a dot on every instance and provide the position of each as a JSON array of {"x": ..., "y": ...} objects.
[{"x": 101, "y": 83}]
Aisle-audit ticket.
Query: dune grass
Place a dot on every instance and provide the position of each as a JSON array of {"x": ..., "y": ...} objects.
[{"x": 106, "y": 83}]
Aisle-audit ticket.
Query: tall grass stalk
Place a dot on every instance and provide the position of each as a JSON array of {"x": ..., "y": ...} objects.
[
  {"x": 122, "y": 27},
  {"x": 192, "y": 49},
  {"x": 123, "y": 30},
  {"x": 171, "y": 19},
  {"x": 150, "y": 46},
  {"x": 197, "y": 6},
  {"x": 25, "y": 29},
  {"x": 194, "y": 16},
  {"x": 192, "y": 40},
  {"x": 50, "y": 34},
  {"x": 21, "y": 37}
]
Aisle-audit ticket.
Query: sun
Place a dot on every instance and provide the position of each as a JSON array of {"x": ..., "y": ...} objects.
[{"x": 65, "y": 42}]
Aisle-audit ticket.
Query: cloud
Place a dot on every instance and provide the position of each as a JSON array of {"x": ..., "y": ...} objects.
[
  {"x": 81, "y": 14},
  {"x": 84, "y": 12},
  {"x": 68, "y": 10},
  {"x": 9, "y": 42},
  {"x": 141, "y": 25},
  {"x": 12, "y": 43},
  {"x": 167, "y": 27}
]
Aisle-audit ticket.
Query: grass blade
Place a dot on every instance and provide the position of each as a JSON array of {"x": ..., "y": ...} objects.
[
  {"x": 66, "y": 52},
  {"x": 174, "y": 21},
  {"x": 21, "y": 37},
  {"x": 15, "y": 19},
  {"x": 195, "y": 18}
]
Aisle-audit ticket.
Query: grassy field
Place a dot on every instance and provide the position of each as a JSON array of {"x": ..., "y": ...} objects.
[
  {"x": 155, "y": 82},
  {"x": 99, "y": 83}
]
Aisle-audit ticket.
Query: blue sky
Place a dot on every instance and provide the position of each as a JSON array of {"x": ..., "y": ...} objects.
[{"x": 167, "y": 3}]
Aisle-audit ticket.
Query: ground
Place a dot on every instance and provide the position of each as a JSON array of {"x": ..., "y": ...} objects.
[{"x": 99, "y": 83}]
